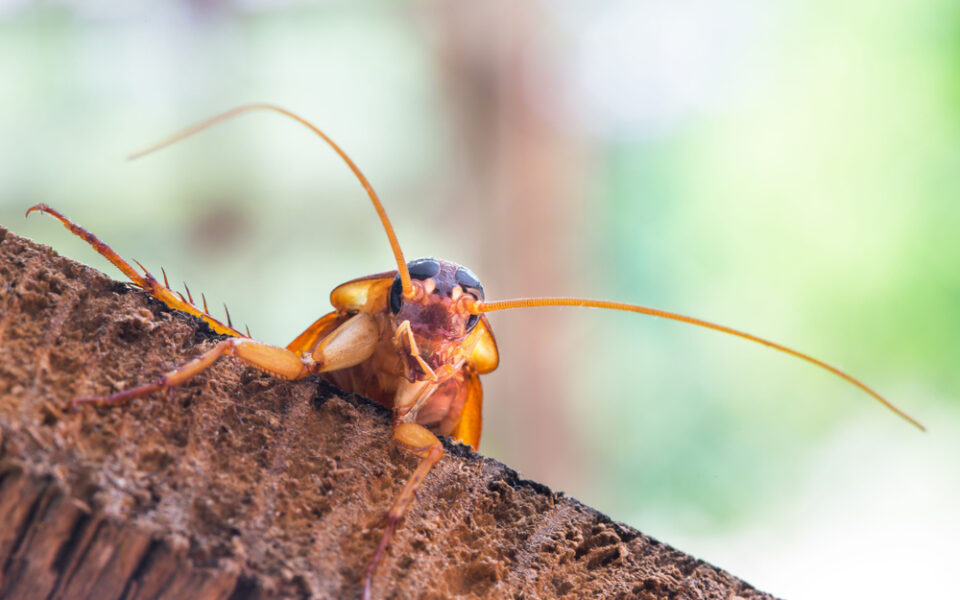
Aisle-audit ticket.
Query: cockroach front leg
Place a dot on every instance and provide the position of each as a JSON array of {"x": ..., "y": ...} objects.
[
  {"x": 146, "y": 282},
  {"x": 419, "y": 441},
  {"x": 404, "y": 332},
  {"x": 349, "y": 344},
  {"x": 271, "y": 359}
]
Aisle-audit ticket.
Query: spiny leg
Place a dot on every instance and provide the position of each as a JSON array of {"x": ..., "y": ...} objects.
[
  {"x": 349, "y": 344},
  {"x": 277, "y": 361},
  {"x": 146, "y": 282},
  {"x": 417, "y": 440}
]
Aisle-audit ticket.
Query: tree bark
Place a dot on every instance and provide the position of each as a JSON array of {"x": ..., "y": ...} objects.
[{"x": 239, "y": 485}]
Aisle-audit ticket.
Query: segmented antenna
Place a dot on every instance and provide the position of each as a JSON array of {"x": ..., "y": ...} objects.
[
  {"x": 490, "y": 306},
  {"x": 377, "y": 206}
]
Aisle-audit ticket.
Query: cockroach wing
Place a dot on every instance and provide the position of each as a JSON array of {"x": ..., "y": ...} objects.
[
  {"x": 471, "y": 415},
  {"x": 485, "y": 356},
  {"x": 306, "y": 341},
  {"x": 365, "y": 294}
]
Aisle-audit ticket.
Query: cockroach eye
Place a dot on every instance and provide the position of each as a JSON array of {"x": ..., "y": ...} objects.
[
  {"x": 396, "y": 295},
  {"x": 471, "y": 285},
  {"x": 469, "y": 282},
  {"x": 472, "y": 322},
  {"x": 423, "y": 268}
]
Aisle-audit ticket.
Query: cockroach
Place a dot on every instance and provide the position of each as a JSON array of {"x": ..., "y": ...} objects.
[{"x": 415, "y": 339}]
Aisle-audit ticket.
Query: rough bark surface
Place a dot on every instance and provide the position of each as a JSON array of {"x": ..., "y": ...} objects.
[{"x": 240, "y": 485}]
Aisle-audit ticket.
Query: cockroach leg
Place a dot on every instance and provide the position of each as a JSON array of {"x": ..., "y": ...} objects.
[
  {"x": 419, "y": 441},
  {"x": 271, "y": 359},
  {"x": 146, "y": 282},
  {"x": 349, "y": 344},
  {"x": 404, "y": 330}
]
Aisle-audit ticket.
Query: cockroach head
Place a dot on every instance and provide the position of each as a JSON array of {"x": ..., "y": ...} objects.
[{"x": 442, "y": 292}]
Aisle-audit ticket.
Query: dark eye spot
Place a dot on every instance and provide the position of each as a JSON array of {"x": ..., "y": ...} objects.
[
  {"x": 469, "y": 282},
  {"x": 472, "y": 322},
  {"x": 465, "y": 278},
  {"x": 423, "y": 268},
  {"x": 471, "y": 285},
  {"x": 396, "y": 291}
]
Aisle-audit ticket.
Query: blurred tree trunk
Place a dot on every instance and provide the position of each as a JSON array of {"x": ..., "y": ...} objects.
[{"x": 518, "y": 175}]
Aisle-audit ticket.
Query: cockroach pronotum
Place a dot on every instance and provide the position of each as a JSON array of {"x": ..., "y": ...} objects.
[{"x": 415, "y": 339}]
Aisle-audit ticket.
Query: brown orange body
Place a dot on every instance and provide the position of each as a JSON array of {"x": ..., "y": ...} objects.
[{"x": 429, "y": 338}]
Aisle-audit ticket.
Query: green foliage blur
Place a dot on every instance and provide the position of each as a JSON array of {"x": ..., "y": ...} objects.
[{"x": 791, "y": 169}]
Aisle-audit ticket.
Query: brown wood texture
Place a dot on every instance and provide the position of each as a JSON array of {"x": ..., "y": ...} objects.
[{"x": 239, "y": 485}]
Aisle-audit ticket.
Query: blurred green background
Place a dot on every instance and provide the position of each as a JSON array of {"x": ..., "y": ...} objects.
[{"x": 789, "y": 168}]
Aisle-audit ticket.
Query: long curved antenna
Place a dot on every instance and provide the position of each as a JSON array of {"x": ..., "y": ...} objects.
[
  {"x": 485, "y": 306},
  {"x": 233, "y": 112}
]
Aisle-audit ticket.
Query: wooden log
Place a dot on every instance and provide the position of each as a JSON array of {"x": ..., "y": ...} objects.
[{"x": 239, "y": 485}]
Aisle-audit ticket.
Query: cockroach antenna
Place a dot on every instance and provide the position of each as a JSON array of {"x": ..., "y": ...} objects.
[
  {"x": 481, "y": 307},
  {"x": 406, "y": 286}
]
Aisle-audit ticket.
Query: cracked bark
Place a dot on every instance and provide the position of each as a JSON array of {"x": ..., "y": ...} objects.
[{"x": 244, "y": 486}]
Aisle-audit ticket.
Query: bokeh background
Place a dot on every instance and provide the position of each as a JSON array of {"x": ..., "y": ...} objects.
[{"x": 791, "y": 168}]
